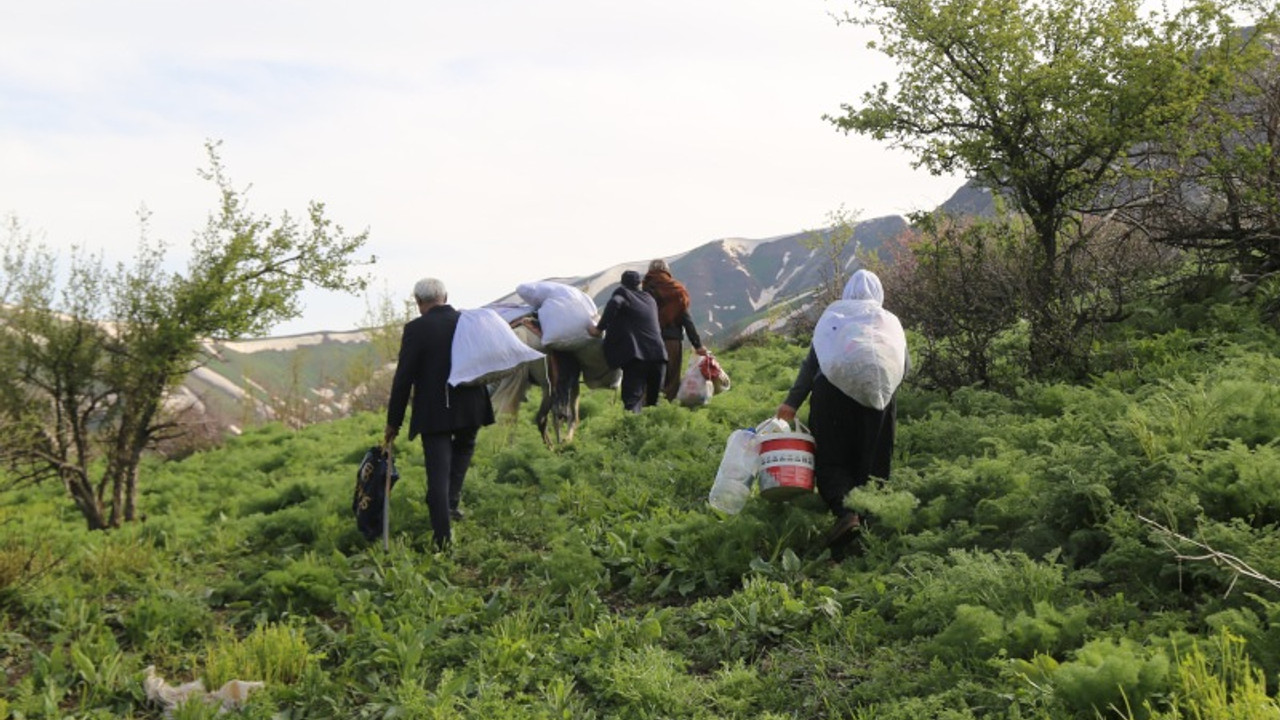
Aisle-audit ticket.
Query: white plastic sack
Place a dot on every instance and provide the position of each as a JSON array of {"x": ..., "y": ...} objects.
[
  {"x": 485, "y": 349},
  {"x": 695, "y": 389},
  {"x": 536, "y": 293},
  {"x": 567, "y": 320},
  {"x": 737, "y": 470},
  {"x": 862, "y": 350}
]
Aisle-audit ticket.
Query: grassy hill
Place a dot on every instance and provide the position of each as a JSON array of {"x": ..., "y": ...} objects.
[{"x": 1022, "y": 562}]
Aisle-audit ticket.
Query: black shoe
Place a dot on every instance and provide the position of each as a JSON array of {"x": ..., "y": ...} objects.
[
  {"x": 842, "y": 531},
  {"x": 456, "y": 514}
]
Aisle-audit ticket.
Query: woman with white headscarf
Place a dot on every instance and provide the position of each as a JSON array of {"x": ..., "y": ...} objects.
[{"x": 858, "y": 351}]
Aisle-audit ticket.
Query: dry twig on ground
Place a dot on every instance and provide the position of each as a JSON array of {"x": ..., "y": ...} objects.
[{"x": 1238, "y": 566}]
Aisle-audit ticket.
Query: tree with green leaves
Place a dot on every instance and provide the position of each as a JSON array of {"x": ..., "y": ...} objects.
[
  {"x": 1220, "y": 199},
  {"x": 1051, "y": 102},
  {"x": 95, "y": 355}
]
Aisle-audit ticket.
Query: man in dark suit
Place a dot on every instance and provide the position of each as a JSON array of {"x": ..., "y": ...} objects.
[
  {"x": 633, "y": 342},
  {"x": 448, "y": 418}
]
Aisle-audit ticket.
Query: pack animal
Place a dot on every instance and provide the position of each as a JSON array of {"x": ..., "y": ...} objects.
[{"x": 558, "y": 375}]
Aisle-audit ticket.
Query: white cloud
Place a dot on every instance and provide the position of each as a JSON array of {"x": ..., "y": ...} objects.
[{"x": 486, "y": 143}]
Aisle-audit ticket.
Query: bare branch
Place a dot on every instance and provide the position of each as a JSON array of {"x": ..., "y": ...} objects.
[{"x": 1239, "y": 567}]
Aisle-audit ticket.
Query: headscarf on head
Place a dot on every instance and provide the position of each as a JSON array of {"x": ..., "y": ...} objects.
[
  {"x": 672, "y": 297},
  {"x": 864, "y": 285},
  {"x": 631, "y": 280}
]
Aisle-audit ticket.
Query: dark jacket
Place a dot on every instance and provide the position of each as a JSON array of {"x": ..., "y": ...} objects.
[
  {"x": 800, "y": 389},
  {"x": 683, "y": 327},
  {"x": 426, "y": 358},
  {"x": 630, "y": 325}
]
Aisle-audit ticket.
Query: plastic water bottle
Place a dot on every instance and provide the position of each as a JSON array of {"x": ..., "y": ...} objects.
[
  {"x": 732, "y": 486},
  {"x": 728, "y": 496}
]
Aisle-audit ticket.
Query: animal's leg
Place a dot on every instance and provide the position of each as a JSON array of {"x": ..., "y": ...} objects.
[
  {"x": 573, "y": 416},
  {"x": 544, "y": 414},
  {"x": 546, "y": 410},
  {"x": 567, "y": 391}
]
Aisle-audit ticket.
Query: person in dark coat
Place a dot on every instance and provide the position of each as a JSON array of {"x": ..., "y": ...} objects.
[
  {"x": 633, "y": 342},
  {"x": 852, "y": 441},
  {"x": 447, "y": 418},
  {"x": 674, "y": 321}
]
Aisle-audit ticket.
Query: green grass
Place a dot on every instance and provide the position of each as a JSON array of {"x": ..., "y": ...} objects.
[{"x": 1005, "y": 575}]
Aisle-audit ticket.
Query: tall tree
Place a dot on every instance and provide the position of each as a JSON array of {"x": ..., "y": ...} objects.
[
  {"x": 1050, "y": 101},
  {"x": 94, "y": 363},
  {"x": 1221, "y": 196}
]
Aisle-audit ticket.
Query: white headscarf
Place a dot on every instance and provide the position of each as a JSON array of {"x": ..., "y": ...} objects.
[{"x": 864, "y": 285}]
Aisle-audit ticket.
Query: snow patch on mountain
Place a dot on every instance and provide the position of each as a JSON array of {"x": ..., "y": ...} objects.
[
  {"x": 218, "y": 382},
  {"x": 786, "y": 262},
  {"x": 744, "y": 246},
  {"x": 767, "y": 295}
]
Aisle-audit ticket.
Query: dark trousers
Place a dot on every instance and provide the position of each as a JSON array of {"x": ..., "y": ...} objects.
[
  {"x": 447, "y": 457},
  {"x": 853, "y": 442},
  {"x": 641, "y": 383},
  {"x": 675, "y": 373}
]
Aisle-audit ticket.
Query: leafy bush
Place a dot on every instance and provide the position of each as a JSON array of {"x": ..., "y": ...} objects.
[
  {"x": 1222, "y": 686},
  {"x": 166, "y": 619},
  {"x": 306, "y": 585},
  {"x": 1107, "y": 676},
  {"x": 1239, "y": 481},
  {"x": 24, "y": 560},
  {"x": 292, "y": 494},
  {"x": 924, "y": 598}
]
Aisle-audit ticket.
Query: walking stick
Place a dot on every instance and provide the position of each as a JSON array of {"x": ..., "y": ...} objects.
[{"x": 386, "y": 503}]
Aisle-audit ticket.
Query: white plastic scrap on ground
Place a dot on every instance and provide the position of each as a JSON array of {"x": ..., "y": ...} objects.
[{"x": 231, "y": 696}]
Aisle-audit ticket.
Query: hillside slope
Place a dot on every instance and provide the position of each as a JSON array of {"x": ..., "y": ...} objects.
[
  {"x": 734, "y": 282},
  {"x": 1006, "y": 571}
]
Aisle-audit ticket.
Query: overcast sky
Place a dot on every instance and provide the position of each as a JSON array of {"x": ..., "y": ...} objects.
[{"x": 486, "y": 143}]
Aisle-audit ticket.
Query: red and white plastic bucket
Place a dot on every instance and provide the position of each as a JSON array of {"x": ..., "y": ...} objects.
[{"x": 786, "y": 464}]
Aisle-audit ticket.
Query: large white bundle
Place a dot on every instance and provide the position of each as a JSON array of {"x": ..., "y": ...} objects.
[
  {"x": 536, "y": 293},
  {"x": 485, "y": 349},
  {"x": 862, "y": 350},
  {"x": 567, "y": 320},
  {"x": 565, "y": 313}
]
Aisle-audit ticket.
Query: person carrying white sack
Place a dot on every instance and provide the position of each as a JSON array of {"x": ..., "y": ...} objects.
[
  {"x": 448, "y": 418},
  {"x": 863, "y": 348}
]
